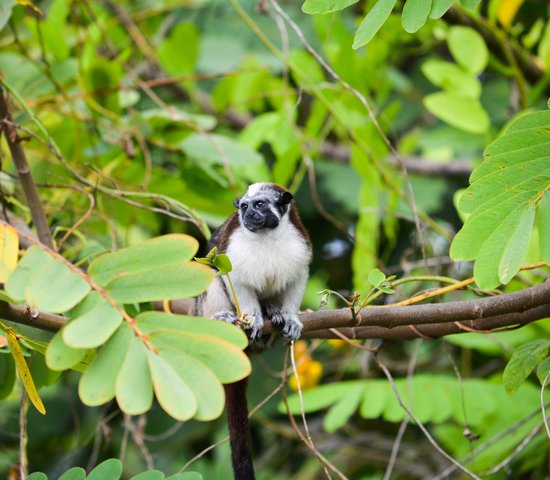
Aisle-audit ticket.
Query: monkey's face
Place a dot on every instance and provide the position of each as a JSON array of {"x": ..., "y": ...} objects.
[{"x": 263, "y": 206}]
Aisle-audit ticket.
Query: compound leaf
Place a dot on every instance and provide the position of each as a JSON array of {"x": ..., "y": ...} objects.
[
  {"x": 93, "y": 323},
  {"x": 97, "y": 384},
  {"x": 373, "y": 21},
  {"x": 522, "y": 363},
  {"x": 46, "y": 283},
  {"x": 321, "y": 7},
  {"x": 508, "y": 190}
]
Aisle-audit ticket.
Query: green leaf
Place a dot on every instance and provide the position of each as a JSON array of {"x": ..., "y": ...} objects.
[
  {"x": 452, "y": 78},
  {"x": 7, "y": 375},
  {"x": 516, "y": 246},
  {"x": 60, "y": 356},
  {"x": 367, "y": 229},
  {"x": 134, "y": 389},
  {"x": 46, "y": 283},
  {"x": 415, "y": 13},
  {"x": 374, "y": 400},
  {"x": 37, "y": 476},
  {"x": 227, "y": 361},
  {"x": 157, "y": 252},
  {"x": 319, "y": 397},
  {"x": 53, "y": 30},
  {"x": 186, "y": 476},
  {"x": 173, "y": 394},
  {"x": 543, "y": 224},
  {"x": 102, "y": 81},
  {"x": 322, "y": 7},
  {"x": 522, "y": 363},
  {"x": 502, "y": 199},
  {"x": 218, "y": 150},
  {"x": 92, "y": 323},
  {"x": 164, "y": 283},
  {"x": 506, "y": 238},
  {"x": 205, "y": 386},
  {"x": 24, "y": 372},
  {"x": 468, "y": 48},
  {"x": 376, "y": 277},
  {"x": 341, "y": 411},
  {"x": 543, "y": 369},
  {"x": 223, "y": 264},
  {"x": 150, "y": 475},
  {"x": 5, "y": 12},
  {"x": 173, "y": 58},
  {"x": 439, "y": 7},
  {"x": 75, "y": 473},
  {"x": 469, "y": 4},
  {"x": 97, "y": 384},
  {"x": 158, "y": 321},
  {"x": 461, "y": 112},
  {"x": 372, "y": 22},
  {"x": 110, "y": 469}
]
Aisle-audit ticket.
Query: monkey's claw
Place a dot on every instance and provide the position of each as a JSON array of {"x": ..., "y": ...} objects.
[
  {"x": 256, "y": 328},
  {"x": 226, "y": 316},
  {"x": 292, "y": 326}
]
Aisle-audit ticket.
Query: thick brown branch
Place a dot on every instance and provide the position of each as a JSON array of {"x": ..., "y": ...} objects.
[
  {"x": 396, "y": 323},
  {"x": 24, "y": 173},
  {"x": 33, "y": 318},
  {"x": 437, "y": 330},
  {"x": 389, "y": 317}
]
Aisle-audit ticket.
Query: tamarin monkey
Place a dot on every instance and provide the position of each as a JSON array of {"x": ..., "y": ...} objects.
[{"x": 270, "y": 251}]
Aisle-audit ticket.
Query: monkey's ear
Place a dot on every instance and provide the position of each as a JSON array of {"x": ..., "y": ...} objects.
[
  {"x": 285, "y": 198},
  {"x": 236, "y": 202}
]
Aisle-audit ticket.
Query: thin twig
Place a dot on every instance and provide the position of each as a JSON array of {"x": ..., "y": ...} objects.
[
  {"x": 519, "y": 448},
  {"x": 299, "y": 389},
  {"x": 23, "y": 438},
  {"x": 409, "y": 190},
  {"x": 420, "y": 425},
  {"x": 326, "y": 463},
  {"x": 542, "y": 406},
  {"x": 401, "y": 432},
  {"x": 492, "y": 441}
]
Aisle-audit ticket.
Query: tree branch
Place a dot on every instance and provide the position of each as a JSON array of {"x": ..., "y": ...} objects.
[
  {"x": 24, "y": 172},
  {"x": 392, "y": 323}
]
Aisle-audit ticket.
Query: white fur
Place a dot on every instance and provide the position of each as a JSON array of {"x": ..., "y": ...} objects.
[
  {"x": 268, "y": 262},
  {"x": 270, "y": 269}
]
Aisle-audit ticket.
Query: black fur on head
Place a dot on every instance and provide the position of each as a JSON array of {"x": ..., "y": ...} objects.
[{"x": 263, "y": 206}]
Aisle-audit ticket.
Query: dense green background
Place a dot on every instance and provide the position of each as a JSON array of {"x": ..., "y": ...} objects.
[{"x": 158, "y": 113}]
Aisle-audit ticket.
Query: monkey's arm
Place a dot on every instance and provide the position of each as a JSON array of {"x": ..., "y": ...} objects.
[
  {"x": 286, "y": 314},
  {"x": 249, "y": 303}
]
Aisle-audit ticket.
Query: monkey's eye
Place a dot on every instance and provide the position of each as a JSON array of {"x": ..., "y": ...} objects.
[
  {"x": 259, "y": 204},
  {"x": 244, "y": 206}
]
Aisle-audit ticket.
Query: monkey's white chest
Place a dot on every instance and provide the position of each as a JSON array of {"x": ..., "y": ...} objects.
[{"x": 268, "y": 263}]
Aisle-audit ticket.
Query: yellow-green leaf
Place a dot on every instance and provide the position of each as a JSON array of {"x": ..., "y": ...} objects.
[
  {"x": 24, "y": 373},
  {"x": 9, "y": 247}
]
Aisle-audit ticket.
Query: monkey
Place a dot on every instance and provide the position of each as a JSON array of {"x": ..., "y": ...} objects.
[{"x": 270, "y": 252}]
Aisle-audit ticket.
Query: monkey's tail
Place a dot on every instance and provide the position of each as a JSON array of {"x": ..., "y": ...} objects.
[{"x": 237, "y": 421}]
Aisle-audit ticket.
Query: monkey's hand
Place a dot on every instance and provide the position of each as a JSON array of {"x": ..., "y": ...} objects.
[
  {"x": 292, "y": 326},
  {"x": 255, "y": 324},
  {"x": 227, "y": 316}
]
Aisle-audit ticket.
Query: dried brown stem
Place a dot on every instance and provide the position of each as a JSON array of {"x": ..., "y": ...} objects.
[{"x": 24, "y": 172}]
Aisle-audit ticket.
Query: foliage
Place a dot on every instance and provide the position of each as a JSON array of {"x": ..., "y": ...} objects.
[
  {"x": 141, "y": 121},
  {"x": 112, "y": 469},
  {"x": 508, "y": 190},
  {"x": 142, "y": 354}
]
